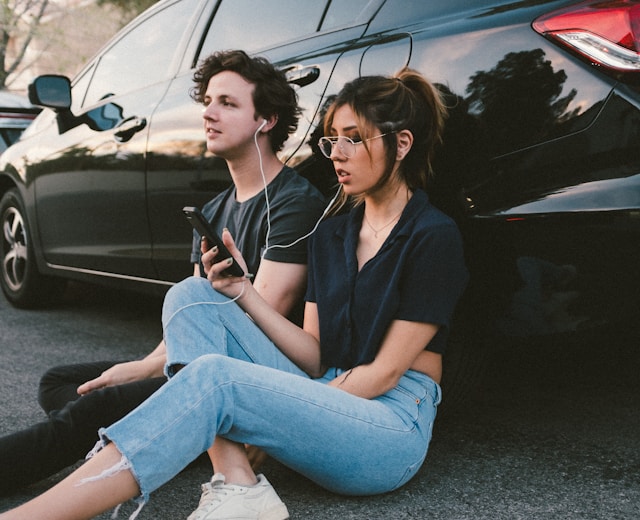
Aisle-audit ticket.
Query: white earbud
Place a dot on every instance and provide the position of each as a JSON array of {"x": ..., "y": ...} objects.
[{"x": 262, "y": 125}]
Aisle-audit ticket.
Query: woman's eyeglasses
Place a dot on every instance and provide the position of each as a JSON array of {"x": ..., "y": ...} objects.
[{"x": 346, "y": 145}]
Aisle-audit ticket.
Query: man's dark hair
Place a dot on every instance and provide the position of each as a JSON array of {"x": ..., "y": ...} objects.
[{"x": 272, "y": 94}]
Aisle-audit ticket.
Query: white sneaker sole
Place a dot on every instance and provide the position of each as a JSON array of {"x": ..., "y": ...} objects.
[{"x": 278, "y": 512}]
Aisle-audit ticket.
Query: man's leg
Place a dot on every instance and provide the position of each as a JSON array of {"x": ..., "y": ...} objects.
[
  {"x": 68, "y": 434},
  {"x": 59, "y": 384}
]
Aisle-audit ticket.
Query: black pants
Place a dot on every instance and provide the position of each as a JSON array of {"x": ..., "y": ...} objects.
[{"x": 70, "y": 431}]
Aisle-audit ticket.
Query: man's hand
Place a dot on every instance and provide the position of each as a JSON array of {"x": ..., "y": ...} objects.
[{"x": 122, "y": 373}]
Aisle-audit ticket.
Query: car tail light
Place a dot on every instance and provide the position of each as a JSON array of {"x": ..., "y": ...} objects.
[{"x": 606, "y": 33}]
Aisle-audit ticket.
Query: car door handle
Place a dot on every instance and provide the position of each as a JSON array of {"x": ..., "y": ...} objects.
[
  {"x": 302, "y": 75},
  {"x": 128, "y": 128}
]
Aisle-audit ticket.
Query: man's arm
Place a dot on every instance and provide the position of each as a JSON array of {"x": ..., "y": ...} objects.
[
  {"x": 121, "y": 373},
  {"x": 280, "y": 284},
  {"x": 150, "y": 366}
]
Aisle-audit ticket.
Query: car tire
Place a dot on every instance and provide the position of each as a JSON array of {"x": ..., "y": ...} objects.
[
  {"x": 22, "y": 283},
  {"x": 464, "y": 365}
]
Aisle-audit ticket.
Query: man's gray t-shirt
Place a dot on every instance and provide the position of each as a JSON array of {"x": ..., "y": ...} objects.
[{"x": 295, "y": 206}]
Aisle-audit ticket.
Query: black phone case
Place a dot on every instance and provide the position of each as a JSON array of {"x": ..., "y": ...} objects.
[{"x": 200, "y": 224}]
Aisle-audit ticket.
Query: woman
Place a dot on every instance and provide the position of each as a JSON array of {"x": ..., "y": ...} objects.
[{"x": 358, "y": 382}]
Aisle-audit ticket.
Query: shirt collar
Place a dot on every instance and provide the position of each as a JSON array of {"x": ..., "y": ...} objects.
[{"x": 349, "y": 230}]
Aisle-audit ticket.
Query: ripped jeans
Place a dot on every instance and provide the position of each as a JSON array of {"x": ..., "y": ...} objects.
[{"x": 236, "y": 384}]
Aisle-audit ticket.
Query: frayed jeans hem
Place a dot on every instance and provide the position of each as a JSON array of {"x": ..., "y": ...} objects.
[{"x": 122, "y": 465}]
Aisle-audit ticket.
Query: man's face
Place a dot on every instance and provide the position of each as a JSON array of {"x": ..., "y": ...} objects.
[{"x": 229, "y": 115}]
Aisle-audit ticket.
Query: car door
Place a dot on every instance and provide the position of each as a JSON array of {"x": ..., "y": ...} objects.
[
  {"x": 90, "y": 181},
  {"x": 304, "y": 38}
]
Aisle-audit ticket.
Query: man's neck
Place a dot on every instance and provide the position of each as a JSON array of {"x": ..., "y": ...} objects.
[{"x": 248, "y": 177}]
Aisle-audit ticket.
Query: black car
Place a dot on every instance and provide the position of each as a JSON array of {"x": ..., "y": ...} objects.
[{"x": 540, "y": 165}]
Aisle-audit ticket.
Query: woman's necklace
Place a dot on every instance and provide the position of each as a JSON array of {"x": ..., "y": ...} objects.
[{"x": 376, "y": 231}]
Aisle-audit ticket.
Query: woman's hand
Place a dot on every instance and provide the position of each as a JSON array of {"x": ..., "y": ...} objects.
[{"x": 230, "y": 286}]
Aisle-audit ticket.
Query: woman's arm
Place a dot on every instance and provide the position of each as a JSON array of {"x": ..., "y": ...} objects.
[
  {"x": 302, "y": 346},
  {"x": 403, "y": 343}
]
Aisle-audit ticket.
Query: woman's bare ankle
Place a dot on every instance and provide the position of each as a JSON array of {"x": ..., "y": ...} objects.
[{"x": 239, "y": 477}]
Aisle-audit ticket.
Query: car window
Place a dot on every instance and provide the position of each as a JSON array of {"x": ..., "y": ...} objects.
[
  {"x": 344, "y": 12},
  {"x": 259, "y": 24},
  {"x": 79, "y": 88},
  {"x": 397, "y": 13},
  {"x": 143, "y": 55}
]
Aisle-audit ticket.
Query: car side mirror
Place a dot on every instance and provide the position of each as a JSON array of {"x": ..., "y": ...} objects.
[
  {"x": 51, "y": 91},
  {"x": 54, "y": 91}
]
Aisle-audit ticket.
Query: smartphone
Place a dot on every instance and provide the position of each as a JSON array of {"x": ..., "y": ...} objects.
[{"x": 200, "y": 224}]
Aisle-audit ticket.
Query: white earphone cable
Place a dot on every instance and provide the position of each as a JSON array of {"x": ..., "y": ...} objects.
[{"x": 268, "y": 205}]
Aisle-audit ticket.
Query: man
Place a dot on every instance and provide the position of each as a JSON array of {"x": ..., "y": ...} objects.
[{"x": 250, "y": 110}]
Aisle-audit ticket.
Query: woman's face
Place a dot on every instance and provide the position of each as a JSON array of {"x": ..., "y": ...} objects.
[{"x": 361, "y": 172}]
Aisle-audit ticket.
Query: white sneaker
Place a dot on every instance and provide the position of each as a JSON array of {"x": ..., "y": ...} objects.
[{"x": 220, "y": 501}]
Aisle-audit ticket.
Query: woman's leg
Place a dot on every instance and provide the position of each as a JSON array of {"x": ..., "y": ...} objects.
[
  {"x": 230, "y": 459},
  {"x": 197, "y": 320},
  {"x": 344, "y": 443},
  {"x": 73, "y": 499}
]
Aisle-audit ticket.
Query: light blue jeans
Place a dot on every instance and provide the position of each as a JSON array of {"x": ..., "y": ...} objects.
[{"x": 238, "y": 385}]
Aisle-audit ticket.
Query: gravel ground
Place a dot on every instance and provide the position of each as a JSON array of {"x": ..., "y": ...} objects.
[{"x": 551, "y": 431}]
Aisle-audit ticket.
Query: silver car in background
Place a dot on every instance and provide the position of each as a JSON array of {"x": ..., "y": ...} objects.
[{"x": 16, "y": 114}]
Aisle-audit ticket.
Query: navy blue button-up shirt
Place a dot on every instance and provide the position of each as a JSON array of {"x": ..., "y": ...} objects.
[{"x": 417, "y": 275}]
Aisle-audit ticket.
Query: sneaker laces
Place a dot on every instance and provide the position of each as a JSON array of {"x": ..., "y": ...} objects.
[{"x": 213, "y": 491}]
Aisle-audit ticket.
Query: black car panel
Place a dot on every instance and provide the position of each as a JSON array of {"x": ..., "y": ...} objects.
[
  {"x": 540, "y": 163},
  {"x": 99, "y": 167},
  {"x": 590, "y": 170},
  {"x": 179, "y": 172}
]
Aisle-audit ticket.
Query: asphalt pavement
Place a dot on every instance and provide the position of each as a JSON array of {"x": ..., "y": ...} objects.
[{"x": 551, "y": 432}]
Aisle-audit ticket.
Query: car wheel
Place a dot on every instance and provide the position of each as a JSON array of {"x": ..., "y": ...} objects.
[
  {"x": 464, "y": 364},
  {"x": 21, "y": 282}
]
